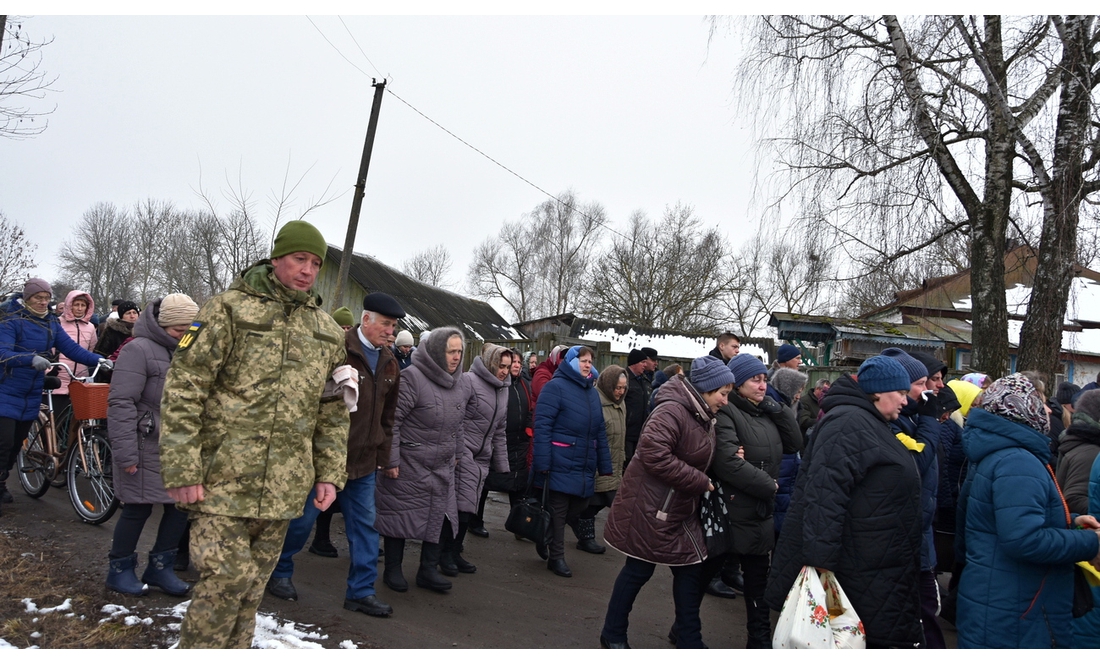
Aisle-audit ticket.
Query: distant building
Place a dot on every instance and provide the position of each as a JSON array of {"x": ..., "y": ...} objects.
[
  {"x": 936, "y": 318},
  {"x": 426, "y": 306}
]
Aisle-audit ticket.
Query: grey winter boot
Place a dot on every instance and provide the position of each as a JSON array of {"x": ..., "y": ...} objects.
[
  {"x": 586, "y": 537},
  {"x": 121, "y": 577},
  {"x": 161, "y": 573}
]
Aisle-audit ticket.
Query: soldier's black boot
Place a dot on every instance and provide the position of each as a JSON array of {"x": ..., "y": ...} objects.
[
  {"x": 428, "y": 576},
  {"x": 5, "y": 495},
  {"x": 161, "y": 574},
  {"x": 586, "y": 536},
  {"x": 121, "y": 577},
  {"x": 395, "y": 553},
  {"x": 759, "y": 624}
]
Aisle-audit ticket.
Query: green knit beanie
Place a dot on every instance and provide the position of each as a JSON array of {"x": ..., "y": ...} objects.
[
  {"x": 299, "y": 236},
  {"x": 343, "y": 317}
]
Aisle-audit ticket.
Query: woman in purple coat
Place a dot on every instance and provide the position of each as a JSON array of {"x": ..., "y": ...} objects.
[
  {"x": 415, "y": 496},
  {"x": 133, "y": 424},
  {"x": 483, "y": 443}
]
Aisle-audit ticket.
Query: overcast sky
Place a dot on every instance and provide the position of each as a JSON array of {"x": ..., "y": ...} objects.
[{"x": 630, "y": 112}]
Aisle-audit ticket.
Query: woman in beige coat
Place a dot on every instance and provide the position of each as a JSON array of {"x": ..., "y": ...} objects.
[{"x": 612, "y": 389}]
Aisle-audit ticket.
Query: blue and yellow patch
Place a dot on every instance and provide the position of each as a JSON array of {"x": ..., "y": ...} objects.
[{"x": 190, "y": 335}]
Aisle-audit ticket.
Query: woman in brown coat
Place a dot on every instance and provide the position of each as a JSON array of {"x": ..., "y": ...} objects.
[{"x": 655, "y": 519}]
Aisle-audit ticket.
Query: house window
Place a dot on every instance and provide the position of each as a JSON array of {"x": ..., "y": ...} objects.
[{"x": 962, "y": 359}]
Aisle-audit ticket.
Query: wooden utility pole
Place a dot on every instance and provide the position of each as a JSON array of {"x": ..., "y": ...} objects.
[{"x": 360, "y": 187}]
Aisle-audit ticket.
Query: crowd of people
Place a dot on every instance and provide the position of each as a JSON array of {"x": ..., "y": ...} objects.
[{"x": 252, "y": 420}]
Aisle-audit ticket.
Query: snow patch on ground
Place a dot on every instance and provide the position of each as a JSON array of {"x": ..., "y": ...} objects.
[{"x": 271, "y": 632}]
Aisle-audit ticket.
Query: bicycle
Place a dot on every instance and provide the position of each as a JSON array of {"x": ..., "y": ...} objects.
[{"x": 88, "y": 468}]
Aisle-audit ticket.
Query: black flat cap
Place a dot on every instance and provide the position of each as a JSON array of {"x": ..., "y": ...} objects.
[
  {"x": 649, "y": 352},
  {"x": 635, "y": 356},
  {"x": 384, "y": 304}
]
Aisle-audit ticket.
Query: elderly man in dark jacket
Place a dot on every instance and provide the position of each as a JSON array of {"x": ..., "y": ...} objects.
[
  {"x": 1079, "y": 448},
  {"x": 369, "y": 440}
]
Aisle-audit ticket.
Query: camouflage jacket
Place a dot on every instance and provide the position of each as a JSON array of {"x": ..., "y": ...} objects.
[{"x": 242, "y": 409}]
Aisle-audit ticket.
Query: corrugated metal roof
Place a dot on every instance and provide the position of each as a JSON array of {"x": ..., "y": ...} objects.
[{"x": 427, "y": 306}]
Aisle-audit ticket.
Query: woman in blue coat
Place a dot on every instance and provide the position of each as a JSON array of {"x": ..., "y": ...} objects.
[
  {"x": 1021, "y": 543},
  {"x": 28, "y": 333},
  {"x": 570, "y": 445}
]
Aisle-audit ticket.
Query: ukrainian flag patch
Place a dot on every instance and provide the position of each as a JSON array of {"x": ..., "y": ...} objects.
[{"x": 190, "y": 335}]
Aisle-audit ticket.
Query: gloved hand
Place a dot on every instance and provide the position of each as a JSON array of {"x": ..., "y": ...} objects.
[
  {"x": 40, "y": 364},
  {"x": 770, "y": 406},
  {"x": 106, "y": 363},
  {"x": 929, "y": 405}
]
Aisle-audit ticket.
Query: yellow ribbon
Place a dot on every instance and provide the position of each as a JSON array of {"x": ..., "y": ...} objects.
[{"x": 910, "y": 443}]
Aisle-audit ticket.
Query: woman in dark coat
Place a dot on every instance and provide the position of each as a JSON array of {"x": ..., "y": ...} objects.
[
  {"x": 546, "y": 369},
  {"x": 28, "y": 333},
  {"x": 856, "y": 508},
  {"x": 133, "y": 425},
  {"x": 117, "y": 331},
  {"x": 517, "y": 435},
  {"x": 570, "y": 446},
  {"x": 1021, "y": 544},
  {"x": 655, "y": 518},
  {"x": 483, "y": 446},
  {"x": 753, "y": 433},
  {"x": 415, "y": 496}
]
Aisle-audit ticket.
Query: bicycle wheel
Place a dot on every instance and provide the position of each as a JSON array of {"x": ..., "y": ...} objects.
[
  {"x": 91, "y": 480},
  {"x": 35, "y": 467},
  {"x": 63, "y": 418}
]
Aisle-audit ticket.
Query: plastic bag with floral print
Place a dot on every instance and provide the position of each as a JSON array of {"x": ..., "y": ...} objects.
[{"x": 817, "y": 615}]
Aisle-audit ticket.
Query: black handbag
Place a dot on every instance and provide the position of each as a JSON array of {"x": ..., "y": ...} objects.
[
  {"x": 529, "y": 518},
  {"x": 714, "y": 516},
  {"x": 1082, "y": 593}
]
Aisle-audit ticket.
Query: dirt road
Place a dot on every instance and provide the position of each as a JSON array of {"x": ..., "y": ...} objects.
[{"x": 511, "y": 602}]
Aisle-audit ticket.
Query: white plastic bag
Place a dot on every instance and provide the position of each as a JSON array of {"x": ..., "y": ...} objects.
[{"x": 817, "y": 615}]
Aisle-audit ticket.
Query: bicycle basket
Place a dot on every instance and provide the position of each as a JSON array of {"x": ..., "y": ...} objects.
[{"x": 89, "y": 400}]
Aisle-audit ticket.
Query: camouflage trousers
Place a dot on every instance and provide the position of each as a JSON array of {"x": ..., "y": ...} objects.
[{"x": 234, "y": 557}]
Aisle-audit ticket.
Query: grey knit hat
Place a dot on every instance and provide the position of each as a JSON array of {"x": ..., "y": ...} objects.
[
  {"x": 913, "y": 367},
  {"x": 36, "y": 285}
]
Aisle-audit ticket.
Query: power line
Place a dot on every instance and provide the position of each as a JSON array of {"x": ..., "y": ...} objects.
[
  {"x": 457, "y": 137},
  {"x": 356, "y": 42}
]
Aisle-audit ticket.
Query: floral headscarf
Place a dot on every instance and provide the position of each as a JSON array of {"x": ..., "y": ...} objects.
[{"x": 1015, "y": 398}]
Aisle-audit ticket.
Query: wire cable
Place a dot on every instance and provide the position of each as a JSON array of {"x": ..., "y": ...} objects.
[
  {"x": 388, "y": 89},
  {"x": 356, "y": 42}
]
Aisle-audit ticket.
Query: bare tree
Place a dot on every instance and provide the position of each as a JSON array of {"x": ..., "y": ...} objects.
[
  {"x": 431, "y": 266},
  {"x": 97, "y": 257},
  {"x": 537, "y": 265},
  {"x": 22, "y": 78},
  {"x": 504, "y": 268},
  {"x": 16, "y": 255},
  {"x": 769, "y": 273},
  {"x": 669, "y": 274}
]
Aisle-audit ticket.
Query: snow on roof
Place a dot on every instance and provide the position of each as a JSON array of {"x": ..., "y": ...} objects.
[
  {"x": 669, "y": 346},
  {"x": 1086, "y": 341},
  {"x": 1084, "y": 301}
]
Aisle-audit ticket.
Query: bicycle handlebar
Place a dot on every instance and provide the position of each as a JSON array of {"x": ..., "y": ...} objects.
[{"x": 73, "y": 376}]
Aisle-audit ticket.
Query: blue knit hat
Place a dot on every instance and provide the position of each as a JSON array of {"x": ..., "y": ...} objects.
[
  {"x": 787, "y": 352},
  {"x": 709, "y": 373},
  {"x": 882, "y": 374},
  {"x": 745, "y": 366},
  {"x": 914, "y": 368}
]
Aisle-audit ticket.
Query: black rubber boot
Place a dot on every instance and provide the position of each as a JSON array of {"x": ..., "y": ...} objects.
[
  {"x": 395, "y": 553},
  {"x": 428, "y": 577},
  {"x": 160, "y": 573},
  {"x": 447, "y": 555},
  {"x": 121, "y": 577},
  {"x": 759, "y": 624},
  {"x": 461, "y": 564},
  {"x": 5, "y": 495},
  {"x": 183, "y": 554},
  {"x": 586, "y": 536}
]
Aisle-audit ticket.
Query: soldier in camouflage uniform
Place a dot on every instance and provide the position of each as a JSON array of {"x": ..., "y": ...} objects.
[{"x": 246, "y": 433}]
